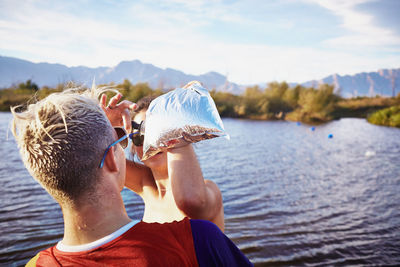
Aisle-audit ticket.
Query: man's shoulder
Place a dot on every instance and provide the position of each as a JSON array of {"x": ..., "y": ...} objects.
[
  {"x": 213, "y": 247},
  {"x": 205, "y": 226},
  {"x": 32, "y": 262},
  {"x": 42, "y": 258}
]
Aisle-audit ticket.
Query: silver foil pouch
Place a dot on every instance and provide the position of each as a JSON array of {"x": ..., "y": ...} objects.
[{"x": 181, "y": 116}]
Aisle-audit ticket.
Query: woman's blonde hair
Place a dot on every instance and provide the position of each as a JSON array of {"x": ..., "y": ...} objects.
[{"x": 62, "y": 139}]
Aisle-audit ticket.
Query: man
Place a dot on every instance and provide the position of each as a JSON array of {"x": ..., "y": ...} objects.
[{"x": 69, "y": 146}]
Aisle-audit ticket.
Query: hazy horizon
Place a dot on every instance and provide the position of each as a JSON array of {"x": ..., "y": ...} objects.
[{"x": 250, "y": 42}]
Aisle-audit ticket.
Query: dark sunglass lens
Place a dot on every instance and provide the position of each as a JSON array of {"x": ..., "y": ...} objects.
[
  {"x": 121, "y": 133},
  {"x": 135, "y": 125},
  {"x": 124, "y": 143},
  {"x": 135, "y": 139},
  {"x": 141, "y": 140},
  {"x": 138, "y": 139}
]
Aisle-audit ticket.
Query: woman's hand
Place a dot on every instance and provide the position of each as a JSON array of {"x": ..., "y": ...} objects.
[{"x": 118, "y": 113}]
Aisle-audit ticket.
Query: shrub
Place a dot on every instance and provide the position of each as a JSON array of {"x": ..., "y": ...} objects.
[{"x": 387, "y": 117}]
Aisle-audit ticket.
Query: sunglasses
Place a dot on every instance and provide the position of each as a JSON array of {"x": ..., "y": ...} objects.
[
  {"x": 137, "y": 136},
  {"x": 122, "y": 140}
]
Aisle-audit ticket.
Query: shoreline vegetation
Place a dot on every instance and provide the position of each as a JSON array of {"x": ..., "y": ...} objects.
[{"x": 277, "y": 101}]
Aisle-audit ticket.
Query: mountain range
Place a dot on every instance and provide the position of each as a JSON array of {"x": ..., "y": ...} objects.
[
  {"x": 384, "y": 82},
  {"x": 14, "y": 71}
]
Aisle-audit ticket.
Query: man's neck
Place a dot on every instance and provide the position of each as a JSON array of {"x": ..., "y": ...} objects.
[{"x": 89, "y": 222}]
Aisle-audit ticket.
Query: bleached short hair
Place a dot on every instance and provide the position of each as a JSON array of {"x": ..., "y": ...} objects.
[{"x": 62, "y": 139}]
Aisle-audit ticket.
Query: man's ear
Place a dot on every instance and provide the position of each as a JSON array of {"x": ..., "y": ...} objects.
[{"x": 110, "y": 161}]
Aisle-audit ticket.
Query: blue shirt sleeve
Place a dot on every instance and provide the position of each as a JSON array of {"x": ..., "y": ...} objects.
[{"x": 214, "y": 248}]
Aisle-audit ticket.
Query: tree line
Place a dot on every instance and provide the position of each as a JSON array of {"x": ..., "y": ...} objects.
[{"x": 277, "y": 101}]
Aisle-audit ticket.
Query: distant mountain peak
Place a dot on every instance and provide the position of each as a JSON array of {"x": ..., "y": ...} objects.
[
  {"x": 383, "y": 82},
  {"x": 13, "y": 70}
]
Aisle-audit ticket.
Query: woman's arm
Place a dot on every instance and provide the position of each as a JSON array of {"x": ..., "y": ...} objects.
[{"x": 196, "y": 197}]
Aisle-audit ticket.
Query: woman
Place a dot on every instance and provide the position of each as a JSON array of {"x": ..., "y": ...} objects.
[{"x": 170, "y": 183}]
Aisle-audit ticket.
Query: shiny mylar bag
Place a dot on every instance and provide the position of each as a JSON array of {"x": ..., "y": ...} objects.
[{"x": 181, "y": 116}]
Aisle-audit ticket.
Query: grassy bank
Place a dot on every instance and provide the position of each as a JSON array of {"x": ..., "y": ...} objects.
[
  {"x": 362, "y": 107},
  {"x": 277, "y": 101},
  {"x": 387, "y": 117}
]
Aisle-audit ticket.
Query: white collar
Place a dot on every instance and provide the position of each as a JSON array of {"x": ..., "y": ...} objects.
[{"x": 99, "y": 242}]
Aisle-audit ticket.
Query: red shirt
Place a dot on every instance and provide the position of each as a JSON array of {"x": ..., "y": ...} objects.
[{"x": 145, "y": 244}]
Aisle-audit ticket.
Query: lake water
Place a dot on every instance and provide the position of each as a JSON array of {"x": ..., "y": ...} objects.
[{"x": 292, "y": 196}]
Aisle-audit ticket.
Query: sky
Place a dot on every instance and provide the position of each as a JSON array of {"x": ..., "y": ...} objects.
[{"x": 249, "y": 41}]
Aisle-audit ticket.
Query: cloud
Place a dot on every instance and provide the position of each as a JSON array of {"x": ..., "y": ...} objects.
[{"x": 361, "y": 31}]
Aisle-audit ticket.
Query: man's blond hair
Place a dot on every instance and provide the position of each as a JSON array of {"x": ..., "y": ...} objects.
[{"x": 62, "y": 139}]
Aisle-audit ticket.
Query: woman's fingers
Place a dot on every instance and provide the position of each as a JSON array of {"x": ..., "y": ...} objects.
[
  {"x": 103, "y": 101},
  {"x": 133, "y": 106},
  {"x": 118, "y": 113},
  {"x": 126, "y": 115},
  {"x": 126, "y": 120},
  {"x": 114, "y": 101},
  {"x": 126, "y": 104}
]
